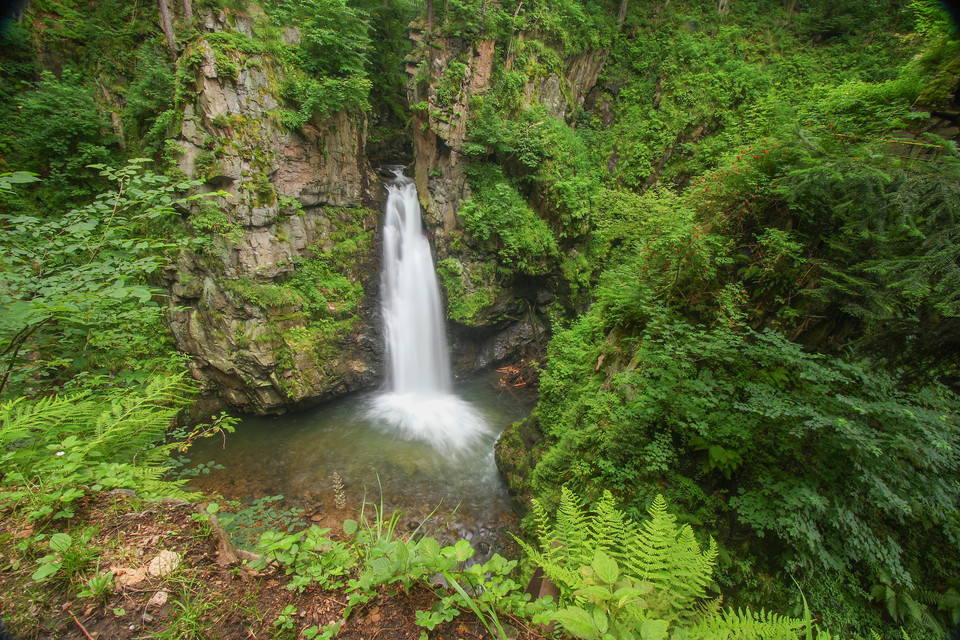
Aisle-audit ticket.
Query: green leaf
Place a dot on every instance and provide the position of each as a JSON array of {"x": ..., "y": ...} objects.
[
  {"x": 349, "y": 527},
  {"x": 605, "y": 567},
  {"x": 60, "y": 542},
  {"x": 462, "y": 551},
  {"x": 600, "y": 619},
  {"x": 45, "y": 571},
  {"x": 19, "y": 177},
  {"x": 381, "y": 567},
  {"x": 654, "y": 629},
  {"x": 577, "y": 622},
  {"x": 429, "y": 547},
  {"x": 594, "y": 593}
]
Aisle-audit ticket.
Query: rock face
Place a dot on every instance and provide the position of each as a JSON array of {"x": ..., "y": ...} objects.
[
  {"x": 507, "y": 318},
  {"x": 276, "y": 301}
]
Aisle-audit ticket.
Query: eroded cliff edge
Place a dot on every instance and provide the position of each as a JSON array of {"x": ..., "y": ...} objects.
[
  {"x": 276, "y": 302},
  {"x": 498, "y": 308}
]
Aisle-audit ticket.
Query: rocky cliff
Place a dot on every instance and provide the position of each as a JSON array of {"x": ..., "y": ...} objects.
[
  {"x": 276, "y": 301},
  {"x": 497, "y": 315}
]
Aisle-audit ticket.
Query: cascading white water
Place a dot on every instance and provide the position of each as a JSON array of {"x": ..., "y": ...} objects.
[
  {"x": 419, "y": 404},
  {"x": 412, "y": 308}
]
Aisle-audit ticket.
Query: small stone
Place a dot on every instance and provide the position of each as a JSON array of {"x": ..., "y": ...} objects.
[
  {"x": 164, "y": 563},
  {"x": 158, "y": 599},
  {"x": 129, "y": 577}
]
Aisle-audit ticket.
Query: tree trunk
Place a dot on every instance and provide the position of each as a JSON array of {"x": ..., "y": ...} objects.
[
  {"x": 188, "y": 12},
  {"x": 789, "y": 6},
  {"x": 168, "y": 27},
  {"x": 429, "y": 15},
  {"x": 724, "y": 7},
  {"x": 622, "y": 15}
]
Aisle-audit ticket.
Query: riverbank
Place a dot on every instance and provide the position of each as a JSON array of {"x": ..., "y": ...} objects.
[{"x": 173, "y": 577}]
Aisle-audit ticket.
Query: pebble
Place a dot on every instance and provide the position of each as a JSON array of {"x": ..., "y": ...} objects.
[
  {"x": 158, "y": 599},
  {"x": 164, "y": 563}
]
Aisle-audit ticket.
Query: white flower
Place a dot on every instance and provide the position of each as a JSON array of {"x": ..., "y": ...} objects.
[{"x": 59, "y": 453}]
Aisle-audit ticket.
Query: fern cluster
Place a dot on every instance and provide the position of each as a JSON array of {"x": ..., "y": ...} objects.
[
  {"x": 58, "y": 447},
  {"x": 623, "y": 580}
]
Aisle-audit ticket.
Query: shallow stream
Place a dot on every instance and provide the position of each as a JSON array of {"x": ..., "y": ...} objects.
[{"x": 297, "y": 454}]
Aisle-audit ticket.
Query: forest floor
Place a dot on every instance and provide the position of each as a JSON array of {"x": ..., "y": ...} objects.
[{"x": 175, "y": 578}]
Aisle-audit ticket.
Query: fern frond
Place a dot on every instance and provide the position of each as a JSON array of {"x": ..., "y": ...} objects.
[
  {"x": 749, "y": 625},
  {"x": 573, "y": 530}
]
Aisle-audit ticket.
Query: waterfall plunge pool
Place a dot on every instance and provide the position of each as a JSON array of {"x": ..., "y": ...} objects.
[{"x": 296, "y": 455}]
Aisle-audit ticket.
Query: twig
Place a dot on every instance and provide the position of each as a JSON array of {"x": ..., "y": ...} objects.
[
  {"x": 342, "y": 604},
  {"x": 82, "y": 628}
]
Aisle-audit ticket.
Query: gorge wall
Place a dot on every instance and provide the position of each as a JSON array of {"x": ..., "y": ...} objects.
[
  {"x": 277, "y": 301},
  {"x": 497, "y": 314}
]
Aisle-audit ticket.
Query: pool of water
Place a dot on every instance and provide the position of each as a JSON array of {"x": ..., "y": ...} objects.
[{"x": 297, "y": 454}]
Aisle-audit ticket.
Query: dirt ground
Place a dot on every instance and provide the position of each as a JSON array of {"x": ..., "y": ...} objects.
[{"x": 174, "y": 579}]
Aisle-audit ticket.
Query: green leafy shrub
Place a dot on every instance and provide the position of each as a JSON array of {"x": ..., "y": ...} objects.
[
  {"x": 759, "y": 438},
  {"x": 621, "y": 580},
  {"x": 59, "y": 448},
  {"x": 63, "y": 132},
  {"x": 497, "y": 213},
  {"x": 75, "y": 286}
]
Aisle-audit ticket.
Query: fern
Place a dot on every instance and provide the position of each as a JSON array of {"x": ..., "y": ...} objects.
[
  {"x": 620, "y": 580},
  {"x": 63, "y": 445}
]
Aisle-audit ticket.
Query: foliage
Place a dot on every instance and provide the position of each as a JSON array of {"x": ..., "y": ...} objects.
[
  {"x": 618, "y": 579},
  {"x": 328, "y": 70},
  {"x": 63, "y": 132},
  {"x": 262, "y": 294},
  {"x": 75, "y": 287},
  {"x": 150, "y": 94},
  {"x": 468, "y": 289},
  {"x": 310, "y": 557},
  {"x": 498, "y": 214},
  {"x": 59, "y": 448},
  {"x": 245, "y": 524},
  {"x": 573, "y": 27},
  {"x": 550, "y": 156},
  {"x": 778, "y": 441}
]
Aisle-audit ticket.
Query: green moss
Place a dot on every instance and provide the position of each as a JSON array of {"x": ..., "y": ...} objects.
[
  {"x": 468, "y": 294},
  {"x": 211, "y": 219},
  {"x": 265, "y": 295},
  {"x": 264, "y": 193},
  {"x": 449, "y": 85}
]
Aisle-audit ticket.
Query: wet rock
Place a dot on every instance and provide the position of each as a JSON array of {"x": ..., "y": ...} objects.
[
  {"x": 228, "y": 137},
  {"x": 490, "y": 336}
]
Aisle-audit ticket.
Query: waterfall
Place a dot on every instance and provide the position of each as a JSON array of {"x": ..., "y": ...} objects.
[
  {"x": 412, "y": 307},
  {"x": 419, "y": 403}
]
